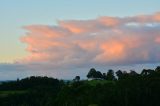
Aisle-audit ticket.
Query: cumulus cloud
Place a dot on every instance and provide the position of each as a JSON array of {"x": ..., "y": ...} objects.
[
  {"x": 102, "y": 41},
  {"x": 72, "y": 47}
]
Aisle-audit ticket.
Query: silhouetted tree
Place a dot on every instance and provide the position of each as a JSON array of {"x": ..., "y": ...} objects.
[
  {"x": 77, "y": 78},
  {"x": 131, "y": 89},
  {"x": 104, "y": 76},
  {"x": 119, "y": 74},
  {"x": 18, "y": 80},
  {"x": 92, "y": 73},
  {"x": 157, "y": 69},
  {"x": 98, "y": 74},
  {"x": 133, "y": 73},
  {"x": 110, "y": 75},
  {"x": 146, "y": 72}
]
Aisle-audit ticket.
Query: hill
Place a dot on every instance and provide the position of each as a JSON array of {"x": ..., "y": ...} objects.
[{"x": 128, "y": 89}]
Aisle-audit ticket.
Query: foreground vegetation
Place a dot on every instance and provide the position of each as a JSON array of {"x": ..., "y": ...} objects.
[{"x": 126, "y": 89}]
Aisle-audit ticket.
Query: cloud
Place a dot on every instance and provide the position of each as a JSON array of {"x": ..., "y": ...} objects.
[
  {"x": 102, "y": 41},
  {"x": 73, "y": 46}
]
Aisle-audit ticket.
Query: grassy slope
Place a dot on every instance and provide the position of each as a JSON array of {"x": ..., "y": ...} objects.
[
  {"x": 6, "y": 93},
  {"x": 95, "y": 82}
]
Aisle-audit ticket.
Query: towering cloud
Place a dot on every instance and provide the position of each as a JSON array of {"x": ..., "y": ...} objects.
[
  {"x": 73, "y": 46},
  {"x": 102, "y": 41}
]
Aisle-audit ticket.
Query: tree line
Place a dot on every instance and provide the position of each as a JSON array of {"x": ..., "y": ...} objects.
[
  {"x": 118, "y": 88},
  {"x": 110, "y": 75}
]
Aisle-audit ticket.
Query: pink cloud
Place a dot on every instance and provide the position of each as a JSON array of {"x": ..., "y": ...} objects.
[
  {"x": 157, "y": 40},
  {"x": 105, "y": 40},
  {"x": 109, "y": 21},
  {"x": 72, "y": 27},
  {"x": 157, "y": 17}
]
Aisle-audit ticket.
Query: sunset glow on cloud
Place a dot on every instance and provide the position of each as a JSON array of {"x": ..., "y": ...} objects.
[{"x": 105, "y": 40}]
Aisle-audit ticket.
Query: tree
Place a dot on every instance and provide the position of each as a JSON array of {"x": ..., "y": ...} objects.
[
  {"x": 92, "y": 73},
  {"x": 133, "y": 73},
  {"x": 110, "y": 75},
  {"x": 119, "y": 74},
  {"x": 98, "y": 74},
  {"x": 18, "y": 80},
  {"x": 146, "y": 72},
  {"x": 104, "y": 76},
  {"x": 157, "y": 69},
  {"x": 77, "y": 78}
]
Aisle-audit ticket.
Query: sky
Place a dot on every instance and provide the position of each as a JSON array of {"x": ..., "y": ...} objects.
[{"x": 61, "y": 38}]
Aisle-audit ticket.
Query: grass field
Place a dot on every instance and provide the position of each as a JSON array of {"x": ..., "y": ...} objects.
[
  {"x": 6, "y": 93},
  {"x": 95, "y": 82}
]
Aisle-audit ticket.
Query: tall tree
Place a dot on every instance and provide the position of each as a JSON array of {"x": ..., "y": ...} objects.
[
  {"x": 104, "y": 76},
  {"x": 92, "y": 73},
  {"x": 99, "y": 74},
  {"x": 119, "y": 74},
  {"x": 77, "y": 78},
  {"x": 110, "y": 75}
]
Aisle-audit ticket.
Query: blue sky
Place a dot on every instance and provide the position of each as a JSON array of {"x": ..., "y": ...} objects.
[{"x": 15, "y": 14}]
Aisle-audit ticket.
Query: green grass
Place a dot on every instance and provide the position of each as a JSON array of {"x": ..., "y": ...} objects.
[
  {"x": 95, "y": 82},
  {"x": 6, "y": 93}
]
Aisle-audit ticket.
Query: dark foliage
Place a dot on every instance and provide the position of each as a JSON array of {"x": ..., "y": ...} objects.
[
  {"x": 129, "y": 89},
  {"x": 37, "y": 91}
]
